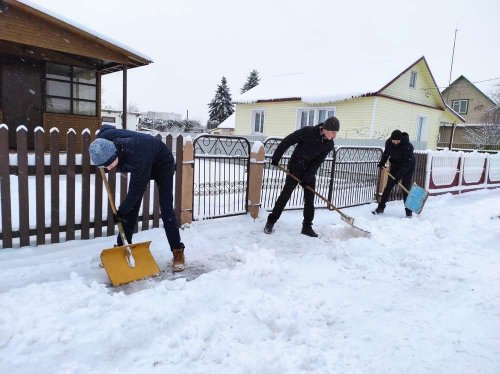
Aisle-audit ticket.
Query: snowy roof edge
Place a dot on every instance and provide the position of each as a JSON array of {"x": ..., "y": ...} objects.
[{"x": 85, "y": 29}]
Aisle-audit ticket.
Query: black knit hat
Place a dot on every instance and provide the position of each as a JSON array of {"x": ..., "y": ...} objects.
[
  {"x": 331, "y": 124},
  {"x": 396, "y": 135}
]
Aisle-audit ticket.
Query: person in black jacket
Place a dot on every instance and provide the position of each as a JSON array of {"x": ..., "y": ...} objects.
[
  {"x": 399, "y": 151},
  {"x": 145, "y": 158},
  {"x": 313, "y": 145}
]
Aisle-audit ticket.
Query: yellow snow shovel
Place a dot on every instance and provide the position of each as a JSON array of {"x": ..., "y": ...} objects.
[{"x": 128, "y": 262}]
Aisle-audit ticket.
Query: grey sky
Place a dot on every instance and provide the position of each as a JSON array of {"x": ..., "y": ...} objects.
[{"x": 194, "y": 43}]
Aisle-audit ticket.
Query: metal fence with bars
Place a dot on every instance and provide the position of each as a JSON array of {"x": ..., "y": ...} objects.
[
  {"x": 348, "y": 176},
  {"x": 220, "y": 176}
]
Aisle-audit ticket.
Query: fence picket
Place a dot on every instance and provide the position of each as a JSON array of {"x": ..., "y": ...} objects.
[
  {"x": 85, "y": 185},
  {"x": 40, "y": 185},
  {"x": 54, "y": 185},
  {"x": 112, "y": 186},
  {"x": 70, "y": 185},
  {"x": 5, "y": 188},
  {"x": 22, "y": 175},
  {"x": 97, "y": 203}
]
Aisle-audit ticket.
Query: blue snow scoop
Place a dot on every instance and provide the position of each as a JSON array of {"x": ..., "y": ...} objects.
[{"x": 416, "y": 196}]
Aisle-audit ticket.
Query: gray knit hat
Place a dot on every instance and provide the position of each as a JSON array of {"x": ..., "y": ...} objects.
[
  {"x": 102, "y": 152},
  {"x": 331, "y": 124}
]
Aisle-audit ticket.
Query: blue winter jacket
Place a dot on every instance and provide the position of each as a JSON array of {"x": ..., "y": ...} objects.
[{"x": 143, "y": 156}]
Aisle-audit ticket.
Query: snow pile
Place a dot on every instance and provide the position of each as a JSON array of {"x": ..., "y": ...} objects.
[{"x": 419, "y": 296}]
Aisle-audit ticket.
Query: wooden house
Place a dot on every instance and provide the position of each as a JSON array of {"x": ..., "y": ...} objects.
[{"x": 51, "y": 69}]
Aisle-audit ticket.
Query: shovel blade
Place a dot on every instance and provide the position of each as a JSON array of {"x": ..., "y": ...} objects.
[
  {"x": 416, "y": 199},
  {"x": 115, "y": 262}
]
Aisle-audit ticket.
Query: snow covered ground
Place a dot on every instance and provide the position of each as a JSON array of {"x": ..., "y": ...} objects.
[{"x": 418, "y": 296}]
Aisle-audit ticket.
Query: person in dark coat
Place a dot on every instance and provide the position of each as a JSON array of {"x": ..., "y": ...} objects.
[
  {"x": 145, "y": 158},
  {"x": 313, "y": 145},
  {"x": 399, "y": 151}
]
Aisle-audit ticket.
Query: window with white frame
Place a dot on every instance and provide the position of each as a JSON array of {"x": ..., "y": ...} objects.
[
  {"x": 460, "y": 106},
  {"x": 421, "y": 130},
  {"x": 413, "y": 79},
  {"x": 258, "y": 121},
  {"x": 313, "y": 116}
]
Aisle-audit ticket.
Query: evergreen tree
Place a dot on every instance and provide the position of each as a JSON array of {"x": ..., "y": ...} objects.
[
  {"x": 252, "y": 80},
  {"x": 221, "y": 106}
]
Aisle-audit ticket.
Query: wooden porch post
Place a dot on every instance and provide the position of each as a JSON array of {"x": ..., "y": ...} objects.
[{"x": 124, "y": 112}]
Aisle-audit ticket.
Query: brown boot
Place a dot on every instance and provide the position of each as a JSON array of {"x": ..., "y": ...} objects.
[{"x": 178, "y": 260}]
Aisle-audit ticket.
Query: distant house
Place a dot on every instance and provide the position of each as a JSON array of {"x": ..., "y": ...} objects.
[
  {"x": 471, "y": 103},
  {"x": 51, "y": 69},
  {"x": 226, "y": 127},
  {"x": 410, "y": 101},
  {"x": 114, "y": 117}
]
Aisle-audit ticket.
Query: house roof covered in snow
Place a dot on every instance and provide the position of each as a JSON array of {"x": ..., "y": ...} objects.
[
  {"x": 331, "y": 87},
  {"x": 228, "y": 123}
]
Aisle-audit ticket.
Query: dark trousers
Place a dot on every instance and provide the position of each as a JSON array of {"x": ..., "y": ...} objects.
[
  {"x": 285, "y": 195},
  {"x": 164, "y": 179},
  {"x": 405, "y": 181}
]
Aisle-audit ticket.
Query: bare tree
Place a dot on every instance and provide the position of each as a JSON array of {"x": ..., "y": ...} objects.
[{"x": 483, "y": 135}]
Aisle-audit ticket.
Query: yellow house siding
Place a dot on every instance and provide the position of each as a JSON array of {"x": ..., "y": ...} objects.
[
  {"x": 279, "y": 118},
  {"x": 392, "y": 114},
  {"x": 355, "y": 118},
  {"x": 425, "y": 91}
]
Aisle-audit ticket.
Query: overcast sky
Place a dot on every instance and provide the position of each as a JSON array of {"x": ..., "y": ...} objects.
[{"x": 194, "y": 43}]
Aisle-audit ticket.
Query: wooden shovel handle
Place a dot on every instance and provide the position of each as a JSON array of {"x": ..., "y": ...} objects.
[
  {"x": 113, "y": 207},
  {"x": 400, "y": 184},
  {"x": 314, "y": 191}
]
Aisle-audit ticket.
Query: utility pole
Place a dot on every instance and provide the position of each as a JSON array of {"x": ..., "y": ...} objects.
[
  {"x": 453, "y": 55},
  {"x": 452, "y": 133}
]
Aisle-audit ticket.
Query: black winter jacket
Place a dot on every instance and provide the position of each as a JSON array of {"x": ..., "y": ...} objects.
[
  {"x": 143, "y": 156},
  {"x": 311, "y": 150},
  {"x": 400, "y": 156}
]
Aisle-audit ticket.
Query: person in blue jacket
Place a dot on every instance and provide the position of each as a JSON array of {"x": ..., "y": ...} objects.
[
  {"x": 145, "y": 158},
  {"x": 399, "y": 151}
]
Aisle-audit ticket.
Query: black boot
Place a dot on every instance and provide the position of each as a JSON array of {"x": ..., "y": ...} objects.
[
  {"x": 268, "y": 228},
  {"x": 379, "y": 210},
  {"x": 409, "y": 213},
  {"x": 308, "y": 230}
]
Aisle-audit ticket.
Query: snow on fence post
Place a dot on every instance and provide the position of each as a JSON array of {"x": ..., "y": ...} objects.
[
  {"x": 22, "y": 178},
  {"x": 257, "y": 160},
  {"x": 5, "y": 187},
  {"x": 40, "y": 184},
  {"x": 85, "y": 198},
  {"x": 70, "y": 184},
  {"x": 54, "y": 185},
  {"x": 187, "y": 185}
]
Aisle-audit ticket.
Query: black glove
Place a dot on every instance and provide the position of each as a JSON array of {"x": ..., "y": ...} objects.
[
  {"x": 118, "y": 218},
  {"x": 274, "y": 162}
]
